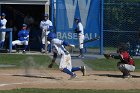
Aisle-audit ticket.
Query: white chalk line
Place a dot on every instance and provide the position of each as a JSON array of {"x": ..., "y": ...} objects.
[
  {"x": 8, "y": 84},
  {"x": 21, "y": 83}
]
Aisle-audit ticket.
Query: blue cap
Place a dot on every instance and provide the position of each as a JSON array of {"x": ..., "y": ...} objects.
[
  {"x": 24, "y": 25},
  {"x": 3, "y": 14},
  {"x": 46, "y": 15},
  {"x": 77, "y": 18}
]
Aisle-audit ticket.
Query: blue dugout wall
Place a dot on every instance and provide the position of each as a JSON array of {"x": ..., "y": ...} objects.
[{"x": 91, "y": 14}]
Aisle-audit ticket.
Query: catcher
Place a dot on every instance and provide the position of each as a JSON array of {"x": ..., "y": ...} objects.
[{"x": 126, "y": 64}]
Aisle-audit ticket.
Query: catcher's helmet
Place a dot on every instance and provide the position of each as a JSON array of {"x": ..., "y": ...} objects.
[
  {"x": 122, "y": 47},
  {"x": 51, "y": 36}
]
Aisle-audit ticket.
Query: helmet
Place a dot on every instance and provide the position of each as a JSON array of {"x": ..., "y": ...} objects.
[
  {"x": 51, "y": 36},
  {"x": 3, "y": 14},
  {"x": 122, "y": 47}
]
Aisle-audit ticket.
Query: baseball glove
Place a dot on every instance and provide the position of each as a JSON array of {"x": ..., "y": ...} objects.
[{"x": 107, "y": 56}]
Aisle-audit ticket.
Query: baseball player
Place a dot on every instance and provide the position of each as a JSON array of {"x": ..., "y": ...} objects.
[
  {"x": 65, "y": 62},
  {"x": 80, "y": 32},
  {"x": 23, "y": 38},
  {"x": 46, "y": 26},
  {"x": 126, "y": 64},
  {"x": 3, "y": 26}
]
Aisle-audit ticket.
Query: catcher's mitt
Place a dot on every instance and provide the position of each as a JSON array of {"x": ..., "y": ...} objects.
[{"x": 107, "y": 56}]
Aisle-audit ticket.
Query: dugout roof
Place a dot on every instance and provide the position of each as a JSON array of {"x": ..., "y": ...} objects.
[{"x": 35, "y": 2}]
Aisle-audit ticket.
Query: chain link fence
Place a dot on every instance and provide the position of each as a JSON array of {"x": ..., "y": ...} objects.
[{"x": 121, "y": 24}]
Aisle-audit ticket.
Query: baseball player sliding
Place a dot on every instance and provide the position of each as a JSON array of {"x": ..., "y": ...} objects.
[
  {"x": 65, "y": 62},
  {"x": 80, "y": 32},
  {"x": 46, "y": 26},
  {"x": 23, "y": 38}
]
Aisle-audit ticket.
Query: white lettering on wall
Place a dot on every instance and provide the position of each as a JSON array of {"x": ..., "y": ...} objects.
[
  {"x": 70, "y": 35},
  {"x": 71, "y": 8}
]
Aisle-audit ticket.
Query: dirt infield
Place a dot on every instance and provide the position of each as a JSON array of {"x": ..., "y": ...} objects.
[{"x": 16, "y": 78}]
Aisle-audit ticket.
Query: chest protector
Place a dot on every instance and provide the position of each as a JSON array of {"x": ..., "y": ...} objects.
[{"x": 126, "y": 58}]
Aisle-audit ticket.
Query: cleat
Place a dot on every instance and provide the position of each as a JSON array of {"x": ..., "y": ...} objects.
[
  {"x": 72, "y": 77},
  {"x": 24, "y": 51},
  {"x": 42, "y": 50},
  {"x": 83, "y": 70},
  {"x": 127, "y": 76},
  {"x": 81, "y": 56}
]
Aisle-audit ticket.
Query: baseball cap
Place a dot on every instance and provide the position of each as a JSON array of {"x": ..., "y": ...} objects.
[
  {"x": 77, "y": 18},
  {"x": 24, "y": 25},
  {"x": 46, "y": 15},
  {"x": 3, "y": 14}
]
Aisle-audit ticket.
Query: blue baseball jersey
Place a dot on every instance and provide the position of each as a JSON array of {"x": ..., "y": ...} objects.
[{"x": 23, "y": 35}]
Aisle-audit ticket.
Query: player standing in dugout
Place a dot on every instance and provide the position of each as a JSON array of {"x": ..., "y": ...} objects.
[
  {"x": 46, "y": 26},
  {"x": 3, "y": 22}
]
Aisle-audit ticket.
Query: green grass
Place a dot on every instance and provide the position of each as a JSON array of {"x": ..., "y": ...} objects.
[
  {"x": 68, "y": 91},
  {"x": 110, "y": 48},
  {"x": 44, "y": 60},
  {"x": 107, "y": 64},
  {"x": 19, "y": 59},
  {"x": 106, "y": 48},
  {"x": 102, "y": 64}
]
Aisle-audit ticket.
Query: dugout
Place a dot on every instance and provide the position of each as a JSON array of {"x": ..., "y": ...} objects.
[{"x": 21, "y": 11}]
